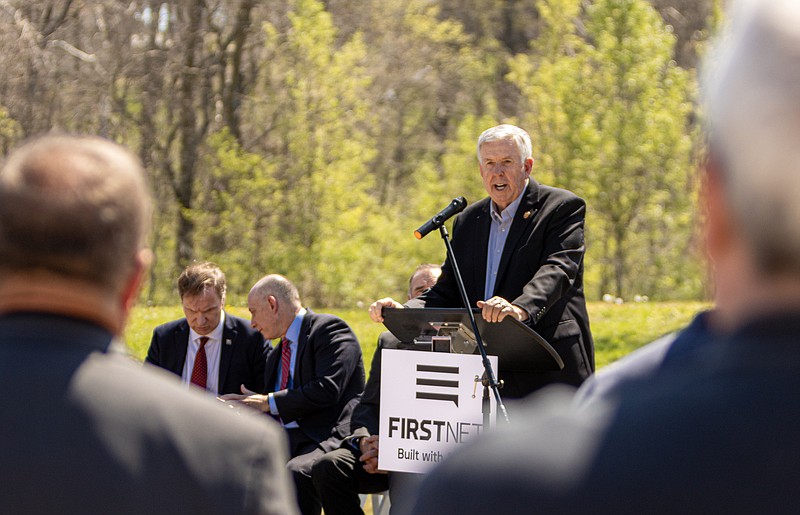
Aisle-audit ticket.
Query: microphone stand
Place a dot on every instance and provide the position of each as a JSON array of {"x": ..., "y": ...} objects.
[{"x": 489, "y": 380}]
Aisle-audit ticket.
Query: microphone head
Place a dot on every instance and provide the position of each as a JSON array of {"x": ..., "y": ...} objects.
[{"x": 455, "y": 206}]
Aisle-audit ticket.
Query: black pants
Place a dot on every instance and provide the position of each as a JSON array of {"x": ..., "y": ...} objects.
[
  {"x": 304, "y": 452},
  {"x": 338, "y": 478}
]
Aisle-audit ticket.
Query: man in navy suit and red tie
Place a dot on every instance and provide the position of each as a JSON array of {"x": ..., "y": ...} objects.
[
  {"x": 313, "y": 380},
  {"x": 209, "y": 348}
]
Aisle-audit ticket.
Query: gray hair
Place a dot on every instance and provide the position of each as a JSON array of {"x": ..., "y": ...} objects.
[
  {"x": 73, "y": 206},
  {"x": 753, "y": 117},
  {"x": 506, "y": 131}
]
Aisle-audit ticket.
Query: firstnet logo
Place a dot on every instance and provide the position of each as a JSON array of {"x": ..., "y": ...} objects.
[{"x": 440, "y": 383}]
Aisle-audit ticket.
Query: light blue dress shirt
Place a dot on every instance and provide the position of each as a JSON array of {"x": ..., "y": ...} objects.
[{"x": 498, "y": 234}]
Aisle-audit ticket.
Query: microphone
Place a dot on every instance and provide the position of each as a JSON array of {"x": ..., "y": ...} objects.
[{"x": 455, "y": 207}]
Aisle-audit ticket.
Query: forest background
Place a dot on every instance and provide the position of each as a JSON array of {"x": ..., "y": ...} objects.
[{"x": 311, "y": 138}]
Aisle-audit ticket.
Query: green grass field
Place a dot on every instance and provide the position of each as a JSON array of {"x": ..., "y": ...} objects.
[{"x": 617, "y": 329}]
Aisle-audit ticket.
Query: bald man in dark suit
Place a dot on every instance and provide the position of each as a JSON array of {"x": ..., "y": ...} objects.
[{"x": 313, "y": 379}]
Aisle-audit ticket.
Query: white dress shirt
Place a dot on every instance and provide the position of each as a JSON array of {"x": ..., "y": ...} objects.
[{"x": 213, "y": 346}]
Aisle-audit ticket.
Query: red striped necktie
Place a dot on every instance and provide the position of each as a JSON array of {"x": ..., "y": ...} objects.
[
  {"x": 286, "y": 361},
  {"x": 200, "y": 370}
]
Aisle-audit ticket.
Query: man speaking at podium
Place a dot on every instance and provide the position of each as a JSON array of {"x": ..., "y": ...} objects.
[{"x": 520, "y": 252}]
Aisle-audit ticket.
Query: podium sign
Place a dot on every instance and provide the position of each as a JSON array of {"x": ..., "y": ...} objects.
[{"x": 431, "y": 403}]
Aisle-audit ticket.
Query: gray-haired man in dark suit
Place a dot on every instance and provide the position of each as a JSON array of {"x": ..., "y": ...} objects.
[{"x": 718, "y": 434}]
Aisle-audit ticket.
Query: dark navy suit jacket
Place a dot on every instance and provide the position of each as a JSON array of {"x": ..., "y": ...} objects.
[
  {"x": 366, "y": 415},
  {"x": 669, "y": 350},
  {"x": 95, "y": 432},
  {"x": 716, "y": 434},
  {"x": 327, "y": 383},
  {"x": 243, "y": 353}
]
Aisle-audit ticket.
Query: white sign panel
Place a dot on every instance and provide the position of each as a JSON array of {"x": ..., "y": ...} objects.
[{"x": 430, "y": 404}]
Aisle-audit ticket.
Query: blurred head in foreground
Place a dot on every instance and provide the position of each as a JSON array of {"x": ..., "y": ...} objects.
[{"x": 74, "y": 213}]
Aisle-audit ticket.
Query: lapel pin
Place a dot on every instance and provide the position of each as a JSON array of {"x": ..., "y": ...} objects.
[
  {"x": 228, "y": 341},
  {"x": 526, "y": 215}
]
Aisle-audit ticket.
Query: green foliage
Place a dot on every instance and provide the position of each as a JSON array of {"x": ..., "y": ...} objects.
[
  {"x": 10, "y": 131},
  {"x": 326, "y": 151},
  {"x": 609, "y": 112},
  {"x": 621, "y": 329},
  {"x": 236, "y": 201},
  {"x": 302, "y": 209},
  {"x": 326, "y": 162},
  {"x": 643, "y": 161},
  {"x": 357, "y": 153},
  {"x": 310, "y": 138}
]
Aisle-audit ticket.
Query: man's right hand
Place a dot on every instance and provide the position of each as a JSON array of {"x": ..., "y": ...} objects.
[
  {"x": 376, "y": 308},
  {"x": 248, "y": 398}
]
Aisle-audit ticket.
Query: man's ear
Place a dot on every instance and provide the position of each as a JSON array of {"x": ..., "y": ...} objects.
[
  {"x": 273, "y": 303},
  {"x": 718, "y": 222}
]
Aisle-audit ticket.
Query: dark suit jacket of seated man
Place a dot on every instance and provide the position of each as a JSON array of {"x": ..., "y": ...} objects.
[
  {"x": 242, "y": 357},
  {"x": 343, "y": 473},
  {"x": 327, "y": 381}
]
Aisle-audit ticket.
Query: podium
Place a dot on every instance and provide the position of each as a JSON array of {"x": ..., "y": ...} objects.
[
  {"x": 430, "y": 401},
  {"x": 517, "y": 346}
]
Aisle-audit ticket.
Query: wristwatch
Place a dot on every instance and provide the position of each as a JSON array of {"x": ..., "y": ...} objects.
[{"x": 355, "y": 443}]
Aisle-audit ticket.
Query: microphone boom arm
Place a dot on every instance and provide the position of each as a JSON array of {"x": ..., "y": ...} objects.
[{"x": 491, "y": 380}]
